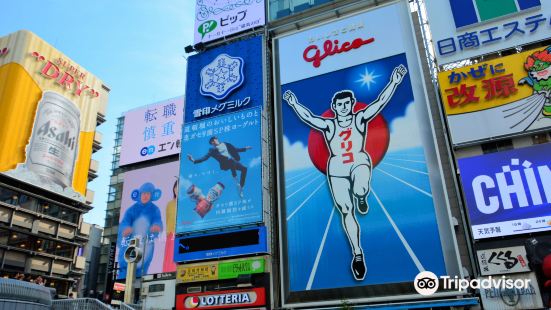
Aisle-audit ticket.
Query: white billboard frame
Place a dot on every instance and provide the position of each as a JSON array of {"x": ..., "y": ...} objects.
[
  {"x": 442, "y": 27},
  {"x": 443, "y": 211}
]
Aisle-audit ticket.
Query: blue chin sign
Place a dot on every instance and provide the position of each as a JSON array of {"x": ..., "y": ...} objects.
[{"x": 508, "y": 193}]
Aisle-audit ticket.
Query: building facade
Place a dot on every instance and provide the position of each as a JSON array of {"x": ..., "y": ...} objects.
[
  {"x": 91, "y": 252},
  {"x": 147, "y": 146},
  {"x": 451, "y": 182},
  {"x": 46, "y": 163}
]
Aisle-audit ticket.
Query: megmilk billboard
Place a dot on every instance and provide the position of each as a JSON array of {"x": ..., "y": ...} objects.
[
  {"x": 221, "y": 165},
  {"x": 49, "y": 106},
  {"x": 361, "y": 196},
  {"x": 148, "y": 212}
]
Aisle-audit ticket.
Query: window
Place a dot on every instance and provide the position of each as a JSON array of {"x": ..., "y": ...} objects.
[
  {"x": 9, "y": 196},
  {"x": 63, "y": 249},
  {"x": 34, "y": 243},
  {"x": 112, "y": 218},
  {"x": 112, "y": 194},
  {"x": 69, "y": 215},
  {"x": 283, "y": 8},
  {"x": 16, "y": 239},
  {"x": 497, "y": 146},
  {"x": 155, "y": 288},
  {"x": 540, "y": 138},
  {"x": 28, "y": 202},
  {"x": 14, "y": 261}
]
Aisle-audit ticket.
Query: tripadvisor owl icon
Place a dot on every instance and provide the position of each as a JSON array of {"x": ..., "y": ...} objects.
[{"x": 426, "y": 283}]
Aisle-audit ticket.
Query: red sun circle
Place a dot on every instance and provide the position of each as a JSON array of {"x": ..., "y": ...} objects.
[{"x": 376, "y": 144}]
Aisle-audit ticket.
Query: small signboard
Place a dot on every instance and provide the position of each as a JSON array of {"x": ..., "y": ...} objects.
[
  {"x": 498, "y": 298},
  {"x": 228, "y": 269},
  {"x": 503, "y": 260}
]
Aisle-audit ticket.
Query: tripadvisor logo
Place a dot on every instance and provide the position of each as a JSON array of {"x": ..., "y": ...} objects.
[{"x": 426, "y": 283}]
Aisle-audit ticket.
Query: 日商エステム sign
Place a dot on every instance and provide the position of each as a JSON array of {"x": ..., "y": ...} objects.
[{"x": 482, "y": 27}]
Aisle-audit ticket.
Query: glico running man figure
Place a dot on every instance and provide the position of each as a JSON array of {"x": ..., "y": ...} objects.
[{"x": 349, "y": 167}]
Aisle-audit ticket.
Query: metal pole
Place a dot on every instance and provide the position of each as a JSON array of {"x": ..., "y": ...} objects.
[{"x": 143, "y": 261}]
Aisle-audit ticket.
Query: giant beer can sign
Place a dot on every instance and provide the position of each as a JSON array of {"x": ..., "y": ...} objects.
[
  {"x": 52, "y": 150},
  {"x": 49, "y": 109}
]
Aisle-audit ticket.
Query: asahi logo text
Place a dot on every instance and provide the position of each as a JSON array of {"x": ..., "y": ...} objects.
[
  {"x": 50, "y": 131},
  {"x": 66, "y": 75}
]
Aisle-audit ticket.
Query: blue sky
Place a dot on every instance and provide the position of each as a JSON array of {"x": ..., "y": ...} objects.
[{"x": 135, "y": 46}]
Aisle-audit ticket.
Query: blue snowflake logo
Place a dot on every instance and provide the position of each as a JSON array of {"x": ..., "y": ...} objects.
[{"x": 222, "y": 76}]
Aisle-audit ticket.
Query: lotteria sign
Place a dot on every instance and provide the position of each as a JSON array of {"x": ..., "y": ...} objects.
[
  {"x": 508, "y": 193},
  {"x": 222, "y": 299}
]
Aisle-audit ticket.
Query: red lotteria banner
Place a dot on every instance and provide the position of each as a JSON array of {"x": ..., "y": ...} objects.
[{"x": 222, "y": 299}]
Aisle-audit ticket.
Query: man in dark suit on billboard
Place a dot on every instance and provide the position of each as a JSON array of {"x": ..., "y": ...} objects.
[{"x": 228, "y": 157}]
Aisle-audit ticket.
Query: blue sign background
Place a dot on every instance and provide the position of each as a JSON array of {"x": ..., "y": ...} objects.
[
  {"x": 251, "y": 52},
  {"x": 240, "y": 129},
  {"x": 318, "y": 252},
  {"x": 261, "y": 247},
  {"x": 491, "y": 164}
]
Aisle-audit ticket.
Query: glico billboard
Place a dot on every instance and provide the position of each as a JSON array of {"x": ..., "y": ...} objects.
[
  {"x": 361, "y": 193},
  {"x": 48, "y": 107},
  {"x": 496, "y": 98}
]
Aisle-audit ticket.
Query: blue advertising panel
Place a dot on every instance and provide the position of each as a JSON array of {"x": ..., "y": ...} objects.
[
  {"x": 359, "y": 177},
  {"x": 148, "y": 206},
  {"x": 219, "y": 245},
  {"x": 508, "y": 193},
  {"x": 225, "y": 80},
  {"x": 221, "y": 172}
]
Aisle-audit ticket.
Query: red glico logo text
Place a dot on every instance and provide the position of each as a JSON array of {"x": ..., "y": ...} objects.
[{"x": 314, "y": 55}]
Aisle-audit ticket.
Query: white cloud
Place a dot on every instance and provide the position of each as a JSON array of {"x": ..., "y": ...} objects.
[
  {"x": 404, "y": 130},
  {"x": 295, "y": 156},
  {"x": 255, "y": 162}
]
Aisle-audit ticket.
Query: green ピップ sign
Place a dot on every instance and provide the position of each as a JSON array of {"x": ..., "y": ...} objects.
[
  {"x": 220, "y": 270},
  {"x": 231, "y": 270}
]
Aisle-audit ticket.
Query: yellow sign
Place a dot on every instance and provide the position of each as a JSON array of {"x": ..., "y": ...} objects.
[
  {"x": 498, "y": 98},
  {"x": 197, "y": 272},
  {"x": 491, "y": 83},
  {"x": 48, "y": 114}
]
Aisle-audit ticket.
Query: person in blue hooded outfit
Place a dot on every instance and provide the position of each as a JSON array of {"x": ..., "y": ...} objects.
[{"x": 143, "y": 220}]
